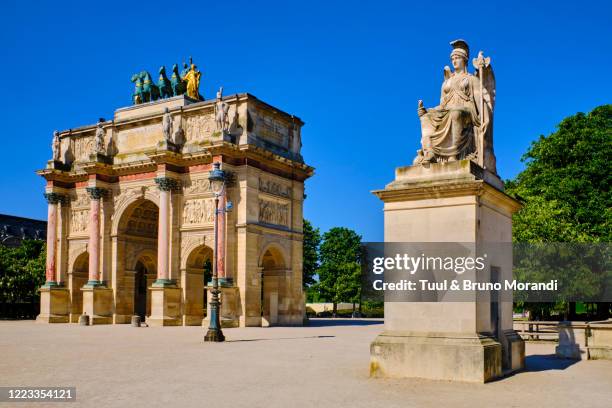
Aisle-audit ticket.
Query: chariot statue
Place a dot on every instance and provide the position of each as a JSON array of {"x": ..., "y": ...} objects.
[
  {"x": 461, "y": 127},
  {"x": 185, "y": 82}
]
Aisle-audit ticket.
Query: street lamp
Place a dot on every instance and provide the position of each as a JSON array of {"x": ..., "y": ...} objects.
[{"x": 217, "y": 185}]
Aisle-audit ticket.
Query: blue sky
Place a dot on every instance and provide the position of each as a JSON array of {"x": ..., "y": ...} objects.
[{"x": 352, "y": 71}]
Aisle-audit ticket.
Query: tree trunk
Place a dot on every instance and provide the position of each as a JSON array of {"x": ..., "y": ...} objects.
[{"x": 334, "y": 310}]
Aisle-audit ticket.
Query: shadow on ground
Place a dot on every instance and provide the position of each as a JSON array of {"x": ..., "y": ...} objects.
[
  {"x": 281, "y": 338},
  {"x": 320, "y": 322},
  {"x": 545, "y": 362}
]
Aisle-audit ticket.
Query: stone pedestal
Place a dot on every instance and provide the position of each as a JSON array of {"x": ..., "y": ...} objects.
[
  {"x": 600, "y": 341},
  {"x": 230, "y": 307},
  {"x": 98, "y": 304},
  {"x": 165, "y": 306},
  {"x": 54, "y": 305},
  {"x": 448, "y": 356},
  {"x": 460, "y": 341}
]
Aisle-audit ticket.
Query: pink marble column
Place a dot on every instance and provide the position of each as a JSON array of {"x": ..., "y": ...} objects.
[
  {"x": 165, "y": 185},
  {"x": 93, "y": 247},
  {"x": 162, "y": 236},
  {"x": 221, "y": 238},
  {"x": 50, "y": 272}
]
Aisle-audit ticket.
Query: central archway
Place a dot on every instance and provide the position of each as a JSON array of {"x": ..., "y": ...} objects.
[{"x": 136, "y": 259}]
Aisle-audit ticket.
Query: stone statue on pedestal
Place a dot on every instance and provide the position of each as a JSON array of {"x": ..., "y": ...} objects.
[
  {"x": 461, "y": 127},
  {"x": 221, "y": 113},
  {"x": 55, "y": 146},
  {"x": 167, "y": 125},
  {"x": 99, "y": 140}
]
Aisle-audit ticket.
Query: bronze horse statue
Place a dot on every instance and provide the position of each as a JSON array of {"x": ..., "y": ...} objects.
[
  {"x": 138, "y": 96},
  {"x": 176, "y": 81},
  {"x": 149, "y": 89},
  {"x": 164, "y": 85}
]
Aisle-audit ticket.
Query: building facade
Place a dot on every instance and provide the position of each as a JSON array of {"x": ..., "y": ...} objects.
[
  {"x": 15, "y": 229},
  {"x": 130, "y": 215}
]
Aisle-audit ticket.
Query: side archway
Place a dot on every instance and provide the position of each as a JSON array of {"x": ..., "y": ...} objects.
[
  {"x": 274, "y": 287},
  {"x": 194, "y": 277},
  {"x": 77, "y": 278}
]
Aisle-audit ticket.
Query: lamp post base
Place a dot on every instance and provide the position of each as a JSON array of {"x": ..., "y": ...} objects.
[{"x": 214, "y": 335}]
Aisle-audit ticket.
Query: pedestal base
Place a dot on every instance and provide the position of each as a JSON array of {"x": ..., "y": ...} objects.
[
  {"x": 229, "y": 307},
  {"x": 514, "y": 354},
  {"x": 600, "y": 342},
  {"x": 436, "y": 356},
  {"x": 98, "y": 304},
  {"x": 165, "y": 306},
  {"x": 54, "y": 305}
]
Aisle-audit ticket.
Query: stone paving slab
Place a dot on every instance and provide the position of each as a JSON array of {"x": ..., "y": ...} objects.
[{"x": 323, "y": 365}]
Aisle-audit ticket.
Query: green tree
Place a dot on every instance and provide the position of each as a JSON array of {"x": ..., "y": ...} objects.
[
  {"x": 565, "y": 187},
  {"x": 22, "y": 271},
  {"x": 312, "y": 240},
  {"x": 340, "y": 270}
]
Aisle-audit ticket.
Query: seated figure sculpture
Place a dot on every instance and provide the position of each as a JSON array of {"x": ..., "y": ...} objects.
[{"x": 461, "y": 126}]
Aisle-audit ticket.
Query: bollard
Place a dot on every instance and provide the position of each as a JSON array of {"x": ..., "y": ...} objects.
[
  {"x": 135, "y": 321},
  {"x": 83, "y": 320}
]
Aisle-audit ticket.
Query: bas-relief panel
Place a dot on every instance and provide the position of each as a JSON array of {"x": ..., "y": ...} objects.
[
  {"x": 270, "y": 186},
  {"x": 79, "y": 221},
  {"x": 138, "y": 138},
  {"x": 270, "y": 129},
  {"x": 199, "y": 127},
  {"x": 198, "y": 211},
  {"x": 273, "y": 212},
  {"x": 197, "y": 186},
  {"x": 79, "y": 200},
  {"x": 83, "y": 147}
]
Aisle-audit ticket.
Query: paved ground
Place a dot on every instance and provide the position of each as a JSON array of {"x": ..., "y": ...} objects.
[{"x": 325, "y": 365}]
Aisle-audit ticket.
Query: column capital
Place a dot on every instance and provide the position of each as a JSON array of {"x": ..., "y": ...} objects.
[
  {"x": 54, "y": 198},
  {"x": 96, "y": 193},
  {"x": 166, "y": 183}
]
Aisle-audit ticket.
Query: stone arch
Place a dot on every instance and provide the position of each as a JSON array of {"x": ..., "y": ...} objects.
[
  {"x": 134, "y": 230},
  {"x": 193, "y": 284},
  {"x": 274, "y": 288},
  {"x": 147, "y": 257},
  {"x": 188, "y": 246},
  {"x": 275, "y": 252},
  {"x": 127, "y": 203},
  {"x": 79, "y": 273}
]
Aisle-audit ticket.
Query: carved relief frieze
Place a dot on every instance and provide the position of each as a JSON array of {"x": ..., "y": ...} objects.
[
  {"x": 272, "y": 187},
  {"x": 199, "y": 127},
  {"x": 79, "y": 220},
  {"x": 80, "y": 200},
  {"x": 198, "y": 186},
  {"x": 198, "y": 211},
  {"x": 273, "y": 212},
  {"x": 83, "y": 146},
  {"x": 271, "y": 129}
]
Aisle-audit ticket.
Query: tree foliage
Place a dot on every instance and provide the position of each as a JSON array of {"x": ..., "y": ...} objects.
[
  {"x": 340, "y": 270},
  {"x": 312, "y": 240},
  {"x": 565, "y": 190},
  {"x": 22, "y": 271},
  {"x": 565, "y": 186}
]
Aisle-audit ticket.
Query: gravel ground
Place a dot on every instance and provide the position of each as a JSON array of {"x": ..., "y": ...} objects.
[{"x": 325, "y": 365}]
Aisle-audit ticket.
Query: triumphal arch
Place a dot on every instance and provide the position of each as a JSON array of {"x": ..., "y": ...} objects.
[{"x": 130, "y": 212}]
